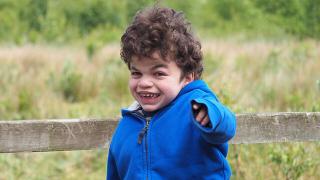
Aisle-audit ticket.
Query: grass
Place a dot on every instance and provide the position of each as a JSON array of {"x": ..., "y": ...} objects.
[{"x": 39, "y": 82}]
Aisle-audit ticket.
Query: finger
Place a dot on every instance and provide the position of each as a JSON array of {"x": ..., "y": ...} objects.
[
  {"x": 201, "y": 115},
  {"x": 205, "y": 121}
]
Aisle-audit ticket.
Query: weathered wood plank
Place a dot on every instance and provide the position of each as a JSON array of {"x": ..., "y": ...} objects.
[
  {"x": 277, "y": 127},
  {"x": 76, "y": 134},
  {"x": 55, "y": 135}
]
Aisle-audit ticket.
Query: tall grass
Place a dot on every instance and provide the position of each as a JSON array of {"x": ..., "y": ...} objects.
[{"x": 39, "y": 82}]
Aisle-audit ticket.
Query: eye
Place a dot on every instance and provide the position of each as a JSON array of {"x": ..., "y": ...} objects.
[
  {"x": 160, "y": 74},
  {"x": 135, "y": 74}
]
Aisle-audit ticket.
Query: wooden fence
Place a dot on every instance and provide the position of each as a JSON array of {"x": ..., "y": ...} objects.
[{"x": 82, "y": 134}]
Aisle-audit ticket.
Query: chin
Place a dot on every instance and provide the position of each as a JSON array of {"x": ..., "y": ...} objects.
[{"x": 149, "y": 108}]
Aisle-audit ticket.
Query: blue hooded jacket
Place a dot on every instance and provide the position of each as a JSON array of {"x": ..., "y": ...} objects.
[{"x": 172, "y": 144}]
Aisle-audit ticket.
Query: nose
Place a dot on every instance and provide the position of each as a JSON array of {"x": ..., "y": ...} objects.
[{"x": 145, "y": 82}]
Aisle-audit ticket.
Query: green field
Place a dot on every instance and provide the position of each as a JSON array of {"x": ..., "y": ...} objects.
[{"x": 39, "y": 82}]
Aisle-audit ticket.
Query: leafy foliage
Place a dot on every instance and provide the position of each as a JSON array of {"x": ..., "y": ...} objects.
[{"x": 58, "y": 21}]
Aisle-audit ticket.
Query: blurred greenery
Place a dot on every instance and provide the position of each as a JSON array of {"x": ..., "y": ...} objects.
[
  {"x": 259, "y": 56},
  {"x": 96, "y": 21},
  {"x": 41, "y": 82}
]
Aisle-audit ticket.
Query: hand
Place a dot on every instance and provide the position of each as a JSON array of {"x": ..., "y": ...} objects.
[{"x": 200, "y": 113}]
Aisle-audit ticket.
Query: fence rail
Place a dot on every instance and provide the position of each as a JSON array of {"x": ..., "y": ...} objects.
[{"x": 83, "y": 134}]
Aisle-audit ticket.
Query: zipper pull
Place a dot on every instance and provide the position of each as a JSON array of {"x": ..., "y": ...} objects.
[{"x": 144, "y": 130}]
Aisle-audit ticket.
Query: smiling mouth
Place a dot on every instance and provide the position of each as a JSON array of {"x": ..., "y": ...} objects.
[{"x": 148, "y": 95}]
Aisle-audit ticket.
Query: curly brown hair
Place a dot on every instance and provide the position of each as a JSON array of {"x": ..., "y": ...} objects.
[{"x": 164, "y": 30}]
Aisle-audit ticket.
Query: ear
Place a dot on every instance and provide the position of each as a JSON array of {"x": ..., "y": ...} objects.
[{"x": 188, "y": 78}]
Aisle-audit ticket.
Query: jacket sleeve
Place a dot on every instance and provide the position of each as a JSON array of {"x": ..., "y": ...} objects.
[
  {"x": 222, "y": 121},
  {"x": 112, "y": 173}
]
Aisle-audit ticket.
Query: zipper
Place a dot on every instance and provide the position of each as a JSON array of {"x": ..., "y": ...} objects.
[{"x": 144, "y": 133}]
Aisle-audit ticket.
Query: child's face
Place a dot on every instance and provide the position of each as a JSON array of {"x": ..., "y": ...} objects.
[{"x": 154, "y": 82}]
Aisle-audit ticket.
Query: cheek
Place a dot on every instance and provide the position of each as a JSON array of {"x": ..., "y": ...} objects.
[
  {"x": 173, "y": 89},
  {"x": 132, "y": 84}
]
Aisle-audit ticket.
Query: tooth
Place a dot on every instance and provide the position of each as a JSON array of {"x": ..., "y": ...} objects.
[{"x": 149, "y": 95}]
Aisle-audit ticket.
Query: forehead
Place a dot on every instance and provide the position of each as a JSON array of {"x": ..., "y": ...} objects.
[{"x": 155, "y": 59}]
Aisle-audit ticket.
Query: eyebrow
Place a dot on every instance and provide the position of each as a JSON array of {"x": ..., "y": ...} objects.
[
  {"x": 133, "y": 68},
  {"x": 159, "y": 66},
  {"x": 152, "y": 68}
]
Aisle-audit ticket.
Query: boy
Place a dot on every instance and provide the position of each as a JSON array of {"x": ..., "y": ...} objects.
[{"x": 177, "y": 129}]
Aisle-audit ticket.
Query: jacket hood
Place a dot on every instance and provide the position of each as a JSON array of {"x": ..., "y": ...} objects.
[{"x": 196, "y": 84}]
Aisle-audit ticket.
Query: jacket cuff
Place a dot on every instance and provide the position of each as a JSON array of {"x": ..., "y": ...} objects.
[{"x": 218, "y": 132}]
